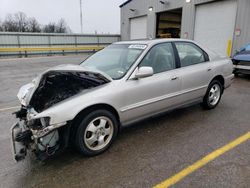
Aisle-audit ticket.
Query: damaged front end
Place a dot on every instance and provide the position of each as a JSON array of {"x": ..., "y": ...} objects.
[{"x": 38, "y": 134}]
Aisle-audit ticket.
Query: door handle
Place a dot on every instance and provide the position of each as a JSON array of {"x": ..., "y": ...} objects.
[
  {"x": 174, "y": 78},
  {"x": 209, "y": 69}
]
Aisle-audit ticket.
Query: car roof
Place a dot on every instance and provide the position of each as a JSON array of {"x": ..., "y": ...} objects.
[{"x": 152, "y": 41}]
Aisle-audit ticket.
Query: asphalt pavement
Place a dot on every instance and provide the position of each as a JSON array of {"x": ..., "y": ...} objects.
[{"x": 144, "y": 154}]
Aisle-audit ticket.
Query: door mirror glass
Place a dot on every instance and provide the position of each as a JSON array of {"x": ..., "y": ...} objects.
[{"x": 143, "y": 72}]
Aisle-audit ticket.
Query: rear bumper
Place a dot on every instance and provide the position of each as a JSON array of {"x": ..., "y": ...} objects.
[
  {"x": 228, "y": 80},
  {"x": 242, "y": 69}
]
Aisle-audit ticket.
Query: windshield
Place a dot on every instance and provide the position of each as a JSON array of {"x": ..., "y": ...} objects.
[
  {"x": 245, "y": 48},
  {"x": 115, "y": 60}
]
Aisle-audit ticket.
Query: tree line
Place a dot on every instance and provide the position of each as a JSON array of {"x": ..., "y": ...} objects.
[{"x": 19, "y": 22}]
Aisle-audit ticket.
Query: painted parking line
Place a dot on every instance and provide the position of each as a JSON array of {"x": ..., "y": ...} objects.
[
  {"x": 9, "y": 108},
  {"x": 185, "y": 172}
]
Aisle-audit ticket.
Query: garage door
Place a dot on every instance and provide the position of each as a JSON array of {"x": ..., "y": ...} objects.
[
  {"x": 138, "y": 28},
  {"x": 214, "y": 25}
]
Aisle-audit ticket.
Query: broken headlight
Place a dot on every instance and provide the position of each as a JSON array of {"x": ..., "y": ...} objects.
[
  {"x": 24, "y": 93},
  {"x": 38, "y": 124},
  {"x": 45, "y": 121}
]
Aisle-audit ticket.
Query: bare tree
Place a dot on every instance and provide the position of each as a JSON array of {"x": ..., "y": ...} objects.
[
  {"x": 22, "y": 21},
  {"x": 9, "y": 24},
  {"x": 50, "y": 28},
  {"x": 61, "y": 26},
  {"x": 1, "y": 26},
  {"x": 33, "y": 25}
]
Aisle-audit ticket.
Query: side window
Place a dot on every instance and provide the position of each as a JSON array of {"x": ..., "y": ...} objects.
[
  {"x": 189, "y": 54},
  {"x": 161, "y": 58},
  {"x": 131, "y": 56}
]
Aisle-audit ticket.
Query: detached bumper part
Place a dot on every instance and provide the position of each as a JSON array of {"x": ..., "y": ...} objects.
[
  {"x": 19, "y": 148},
  {"x": 44, "y": 142}
]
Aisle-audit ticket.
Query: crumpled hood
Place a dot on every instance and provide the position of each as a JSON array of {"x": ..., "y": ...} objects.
[
  {"x": 59, "y": 83},
  {"x": 77, "y": 68}
]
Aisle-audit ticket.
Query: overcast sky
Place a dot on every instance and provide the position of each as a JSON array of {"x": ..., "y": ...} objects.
[{"x": 102, "y": 16}]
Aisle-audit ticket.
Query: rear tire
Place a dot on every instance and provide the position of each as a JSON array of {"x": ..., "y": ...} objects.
[
  {"x": 96, "y": 132},
  {"x": 213, "y": 95}
]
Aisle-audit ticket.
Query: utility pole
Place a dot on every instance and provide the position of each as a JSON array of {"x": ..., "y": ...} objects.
[{"x": 81, "y": 14}]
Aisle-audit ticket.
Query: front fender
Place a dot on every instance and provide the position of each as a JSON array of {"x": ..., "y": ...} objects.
[{"x": 68, "y": 109}]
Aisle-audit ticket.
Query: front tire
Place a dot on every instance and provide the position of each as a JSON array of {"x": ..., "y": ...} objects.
[
  {"x": 96, "y": 132},
  {"x": 213, "y": 95}
]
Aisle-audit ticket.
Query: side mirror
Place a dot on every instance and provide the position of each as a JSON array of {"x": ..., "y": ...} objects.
[{"x": 144, "y": 72}]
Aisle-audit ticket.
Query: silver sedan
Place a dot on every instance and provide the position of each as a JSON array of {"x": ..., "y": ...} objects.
[{"x": 85, "y": 105}]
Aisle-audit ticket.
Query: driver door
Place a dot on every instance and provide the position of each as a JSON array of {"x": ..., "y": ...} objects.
[{"x": 153, "y": 94}]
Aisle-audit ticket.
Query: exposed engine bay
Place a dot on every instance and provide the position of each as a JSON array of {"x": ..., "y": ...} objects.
[
  {"x": 53, "y": 87},
  {"x": 57, "y": 86}
]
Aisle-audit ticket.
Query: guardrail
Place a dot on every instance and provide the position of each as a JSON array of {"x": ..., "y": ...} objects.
[
  {"x": 84, "y": 48},
  {"x": 47, "y": 50},
  {"x": 24, "y": 44}
]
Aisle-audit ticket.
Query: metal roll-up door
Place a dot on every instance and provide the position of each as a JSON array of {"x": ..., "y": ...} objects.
[
  {"x": 138, "y": 28},
  {"x": 215, "y": 24}
]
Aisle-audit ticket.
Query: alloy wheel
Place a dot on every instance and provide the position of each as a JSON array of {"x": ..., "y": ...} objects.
[
  {"x": 98, "y": 133},
  {"x": 214, "y": 94}
]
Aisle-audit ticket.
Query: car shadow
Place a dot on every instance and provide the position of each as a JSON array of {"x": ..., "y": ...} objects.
[
  {"x": 134, "y": 142},
  {"x": 167, "y": 121}
]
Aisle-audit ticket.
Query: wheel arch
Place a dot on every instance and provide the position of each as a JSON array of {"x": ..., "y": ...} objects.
[
  {"x": 91, "y": 108},
  {"x": 220, "y": 78}
]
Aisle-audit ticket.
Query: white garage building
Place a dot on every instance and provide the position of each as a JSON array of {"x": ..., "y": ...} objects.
[{"x": 221, "y": 25}]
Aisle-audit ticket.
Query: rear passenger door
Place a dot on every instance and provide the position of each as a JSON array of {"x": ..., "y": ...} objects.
[{"x": 195, "y": 70}]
